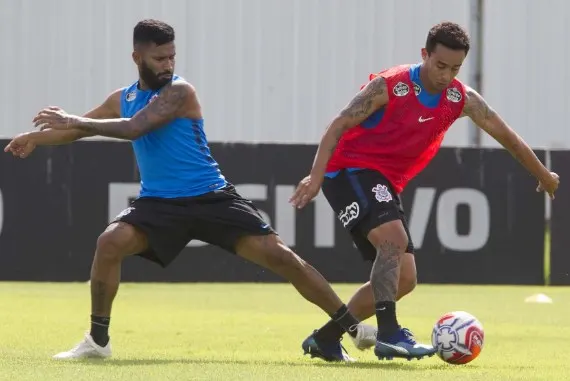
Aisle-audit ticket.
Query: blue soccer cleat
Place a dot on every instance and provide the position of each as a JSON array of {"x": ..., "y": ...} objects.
[
  {"x": 403, "y": 345},
  {"x": 331, "y": 352}
]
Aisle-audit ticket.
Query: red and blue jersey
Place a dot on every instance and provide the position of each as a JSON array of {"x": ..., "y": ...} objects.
[{"x": 400, "y": 139}]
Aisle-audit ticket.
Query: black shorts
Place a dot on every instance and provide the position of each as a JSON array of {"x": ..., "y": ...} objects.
[
  {"x": 219, "y": 218},
  {"x": 363, "y": 200}
]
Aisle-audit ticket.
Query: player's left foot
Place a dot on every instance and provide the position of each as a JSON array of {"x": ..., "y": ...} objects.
[
  {"x": 403, "y": 345},
  {"x": 86, "y": 349},
  {"x": 332, "y": 352}
]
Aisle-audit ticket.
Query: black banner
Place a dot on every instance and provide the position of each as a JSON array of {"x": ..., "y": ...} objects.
[
  {"x": 467, "y": 212},
  {"x": 560, "y": 221},
  {"x": 473, "y": 207}
]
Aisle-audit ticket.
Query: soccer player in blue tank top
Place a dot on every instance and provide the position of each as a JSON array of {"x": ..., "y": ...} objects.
[{"x": 183, "y": 196}]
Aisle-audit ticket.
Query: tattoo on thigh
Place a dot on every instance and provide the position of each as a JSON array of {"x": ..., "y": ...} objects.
[{"x": 386, "y": 271}]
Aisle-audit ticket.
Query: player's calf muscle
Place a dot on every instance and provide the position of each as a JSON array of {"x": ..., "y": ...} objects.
[
  {"x": 386, "y": 271},
  {"x": 272, "y": 253},
  {"x": 390, "y": 241}
]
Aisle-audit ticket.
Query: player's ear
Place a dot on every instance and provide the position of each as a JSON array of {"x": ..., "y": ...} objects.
[
  {"x": 424, "y": 54},
  {"x": 137, "y": 57}
]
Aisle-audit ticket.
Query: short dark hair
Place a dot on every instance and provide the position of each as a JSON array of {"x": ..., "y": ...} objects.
[
  {"x": 448, "y": 34},
  {"x": 149, "y": 30}
]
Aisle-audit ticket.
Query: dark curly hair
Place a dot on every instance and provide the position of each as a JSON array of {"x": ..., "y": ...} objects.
[
  {"x": 149, "y": 31},
  {"x": 448, "y": 34}
]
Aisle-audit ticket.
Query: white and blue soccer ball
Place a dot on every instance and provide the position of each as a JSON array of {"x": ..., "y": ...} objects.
[{"x": 458, "y": 337}]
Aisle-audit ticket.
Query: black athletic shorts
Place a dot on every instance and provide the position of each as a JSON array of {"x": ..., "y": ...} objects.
[
  {"x": 363, "y": 200},
  {"x": 219, "y": 218}
]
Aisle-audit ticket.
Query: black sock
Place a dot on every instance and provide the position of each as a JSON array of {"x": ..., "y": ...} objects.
[
  {"x": 340, "y": 320},
  {"x": 386, "y": 317},
  {"x": 330, "y": 332},
  {"x": 100, "y": 329}
]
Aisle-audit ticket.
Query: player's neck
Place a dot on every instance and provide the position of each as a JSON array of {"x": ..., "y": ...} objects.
[
  {"x": 425, "y": 81},
  {"x": 142, "y": 85}
]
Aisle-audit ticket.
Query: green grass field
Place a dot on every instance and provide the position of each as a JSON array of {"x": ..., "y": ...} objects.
[{"x": 254, "y": 332}]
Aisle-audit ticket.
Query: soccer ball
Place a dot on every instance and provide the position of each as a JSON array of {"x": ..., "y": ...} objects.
[{"x": 458, "y": 337}]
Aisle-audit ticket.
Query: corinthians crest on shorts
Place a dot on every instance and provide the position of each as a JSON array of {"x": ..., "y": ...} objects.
[{"x": 382, "y": 193}]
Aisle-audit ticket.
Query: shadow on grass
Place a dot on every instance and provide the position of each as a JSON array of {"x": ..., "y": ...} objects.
[{"x": 395, "y": 364}]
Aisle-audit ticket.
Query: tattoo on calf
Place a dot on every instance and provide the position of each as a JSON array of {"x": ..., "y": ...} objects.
[{"x": 386, "y": 271}]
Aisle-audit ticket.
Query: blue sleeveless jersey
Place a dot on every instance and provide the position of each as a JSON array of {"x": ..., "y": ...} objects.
[{"x": 174, "y": 160}]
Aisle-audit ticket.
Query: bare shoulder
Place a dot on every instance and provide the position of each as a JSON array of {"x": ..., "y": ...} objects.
[
  {"x": 113, "y": 101},
  {"x": 377, "y": 86},
  {"x": 182, "y": 86},
  {"x": 476, "y": 107},
  {"x": 177, "y": 99},
  {"x": 177, "y": 91},
  {"x": 372, "y": 97},
  {"x": 116, "y": 95},
  {"x": 184, "y": 94},
  {"x": 110, "y": 108}
]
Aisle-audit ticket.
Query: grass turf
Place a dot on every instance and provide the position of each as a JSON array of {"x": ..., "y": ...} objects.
[{"x": 254, "y": 332}]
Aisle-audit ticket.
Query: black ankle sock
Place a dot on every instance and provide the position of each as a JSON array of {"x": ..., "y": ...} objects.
[
  {"x": 100, "y": 329},
  {"x": 330, "y": 332},
  {"x": 386, "y": 317},
  {"x": 344, "y": 320}
]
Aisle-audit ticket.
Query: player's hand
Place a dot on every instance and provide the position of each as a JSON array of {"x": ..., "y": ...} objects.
[
  {"x": 21, "y": 146},
  {"x": 55, "y": 118},
  {"x": 550, "y": 185},
  {"x": 307, "y": 190}
]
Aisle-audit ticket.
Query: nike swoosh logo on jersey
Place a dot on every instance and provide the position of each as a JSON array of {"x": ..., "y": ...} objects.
[{"x": 421, "y": 119}]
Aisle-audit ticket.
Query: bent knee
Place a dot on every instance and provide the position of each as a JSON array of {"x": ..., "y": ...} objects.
[
  {"x": 120, "y": 240},
  {"x": 389, "y": 236}
]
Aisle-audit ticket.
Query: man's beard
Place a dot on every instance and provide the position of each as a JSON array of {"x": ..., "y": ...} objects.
[{"x": 152, "y": 80}]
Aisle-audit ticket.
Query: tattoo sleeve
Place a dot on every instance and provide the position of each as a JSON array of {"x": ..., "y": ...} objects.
[
  {"x": 360, "y": 107},
  {"x": 477, "y": 108},
  {"x": 386, "y": 272},
  {"x": 368, "y": 100},
  {"x": 158, "y": 112},
  {"x": 489, "y": 121},
  {"x": 363, "y": 104}
]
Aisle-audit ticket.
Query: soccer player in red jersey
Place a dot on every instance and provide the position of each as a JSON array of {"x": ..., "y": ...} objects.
[{"x": 381, "y": 140}]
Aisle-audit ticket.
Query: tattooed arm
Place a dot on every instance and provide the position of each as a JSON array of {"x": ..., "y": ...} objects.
[
  {"x": 371, "y": 98},
  {"x": 489, "y": 121},
  {"x": 168, "y": 105},
  {"x": 176, "y": 100}
]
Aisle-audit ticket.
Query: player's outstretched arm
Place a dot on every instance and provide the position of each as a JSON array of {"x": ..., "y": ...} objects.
[
  {"x": 371, "y": 98},
  {"x": 176, "y": 100},
  {"x": 491, "y": 122},
  {"x": 24, "y": 144}
]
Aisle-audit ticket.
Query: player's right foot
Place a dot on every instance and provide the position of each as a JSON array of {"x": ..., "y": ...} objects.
[
  {"x": 86, "y": 349},
  {"x": 402, "y": 344},
  {"x": 332, "y": 352}
]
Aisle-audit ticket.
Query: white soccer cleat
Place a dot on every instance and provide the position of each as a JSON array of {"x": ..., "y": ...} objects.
[
  {"x": 86, "y": 349},
  {"x": 365, "y": 336}
]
